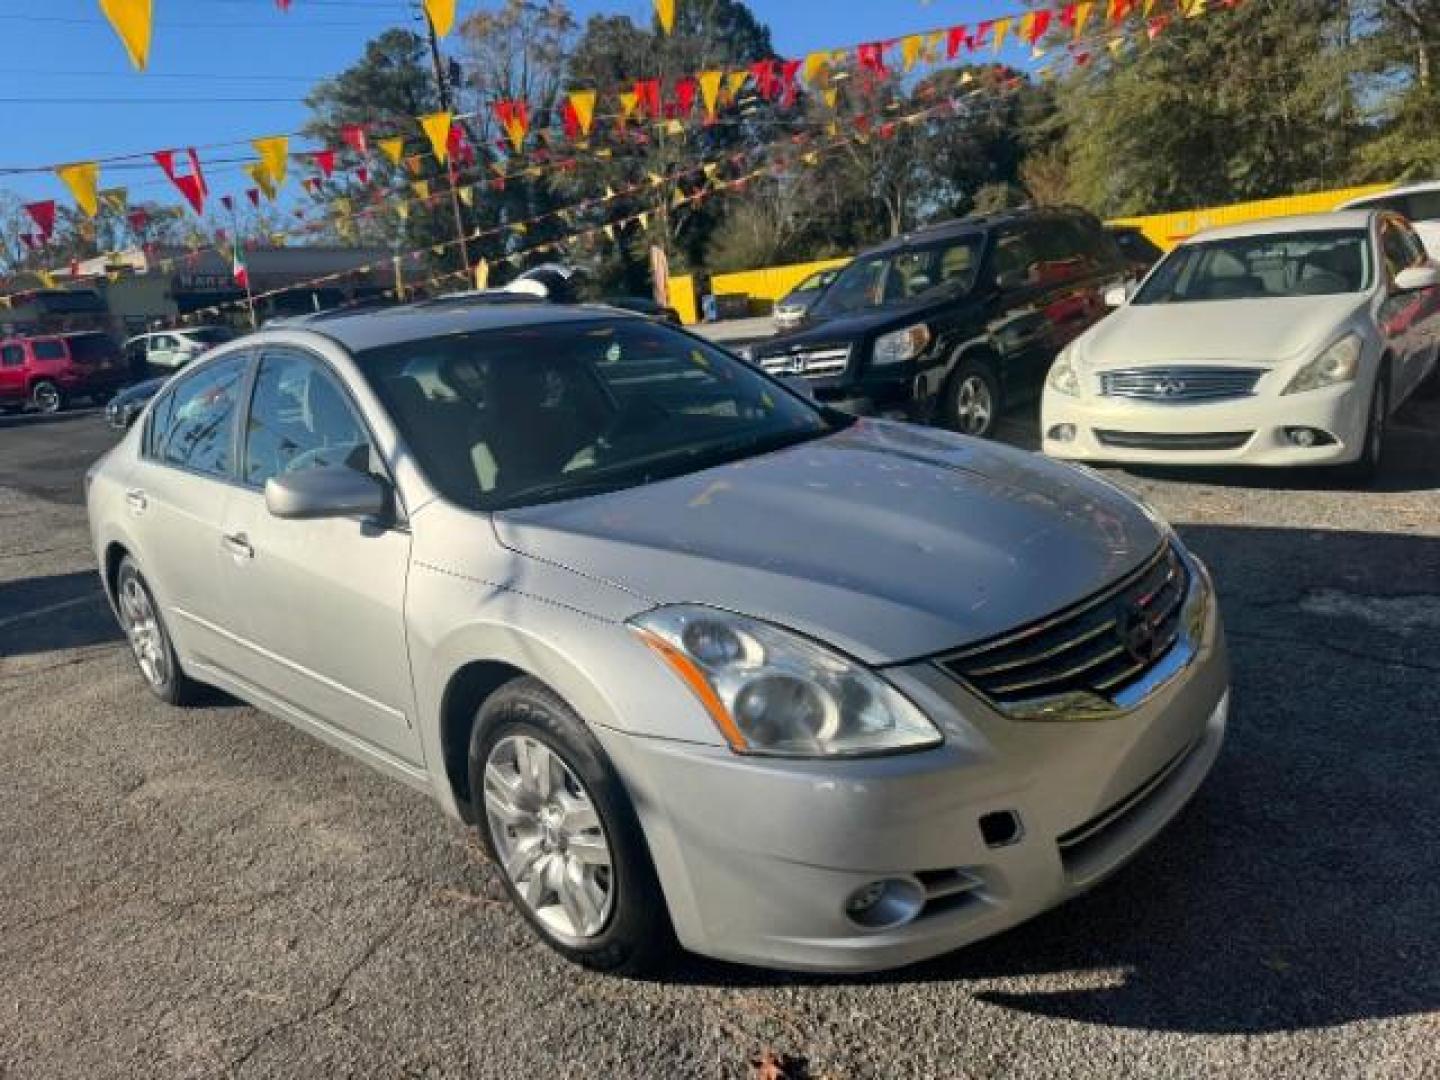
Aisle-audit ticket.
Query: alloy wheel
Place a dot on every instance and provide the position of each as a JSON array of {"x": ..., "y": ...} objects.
[
  {"x": 549, "y": 838},
  {"x": 142, "y": 628},
  {"x": 974, "y": 405},
  {"x": 46, "y": 398}
]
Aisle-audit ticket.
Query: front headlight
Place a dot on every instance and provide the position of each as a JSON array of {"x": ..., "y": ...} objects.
[
  {"x": 901, "y": 345},
  {"x": 772, "y": 692},
  {"x": 1340, "y": 363},
  {"x": 1062, "y": 378}
]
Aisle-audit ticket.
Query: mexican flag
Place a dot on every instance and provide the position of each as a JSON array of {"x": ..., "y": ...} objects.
[{"x": 238, "y": 267}]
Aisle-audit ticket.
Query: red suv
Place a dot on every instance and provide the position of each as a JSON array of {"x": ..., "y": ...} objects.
[{"x": 47, "y": 372}]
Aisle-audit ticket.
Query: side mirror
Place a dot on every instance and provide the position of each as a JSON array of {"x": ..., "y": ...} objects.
[
  {"x": 1115, "y": 297},
  {"x": 803, "y": 387},
  {"x": 326, "y": 493},
  {"x": 1415, "y": 278}
]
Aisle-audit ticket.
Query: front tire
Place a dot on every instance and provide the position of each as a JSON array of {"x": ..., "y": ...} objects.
[
  {"x": 1363, "y": 470},
  {"x": 972, "y": 401},
  {"x": 45, "y": 396},
  {"x": 561, "y": 830},
  {"x": 149, "y": 640}
]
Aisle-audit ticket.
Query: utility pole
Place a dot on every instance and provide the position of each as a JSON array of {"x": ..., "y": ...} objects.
[{"x": 447, "y": 102}]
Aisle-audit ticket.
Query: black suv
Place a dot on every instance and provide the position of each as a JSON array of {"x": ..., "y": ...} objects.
[{"x": 952, "y": 324}]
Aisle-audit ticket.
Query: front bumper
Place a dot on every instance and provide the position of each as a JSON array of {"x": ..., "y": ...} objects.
[
  {"x": 757, "y": 857},
  {"x": 1340, "y": 412}
]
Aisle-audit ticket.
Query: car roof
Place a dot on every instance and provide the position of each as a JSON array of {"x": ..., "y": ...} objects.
[
  {"x": 1337, "y": 220},
  {"x": 973, "y": 225},
  {"x": 1408, "y": 189},
  {"x": 439, "y": 318}
]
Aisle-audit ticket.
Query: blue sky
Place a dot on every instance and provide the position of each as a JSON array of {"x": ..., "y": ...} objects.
[{"x": 247, "y": 49}]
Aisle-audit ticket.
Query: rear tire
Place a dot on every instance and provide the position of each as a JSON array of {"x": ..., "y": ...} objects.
[
  {"x": 150, "y": 640},
  {"x": 563, "y": 835},
  {"x": 1430, "y": 388},
  {"x": 46, "y": 398},
  {"x": 1362, "y": 471},
  {"x": 972, "y": 401}
]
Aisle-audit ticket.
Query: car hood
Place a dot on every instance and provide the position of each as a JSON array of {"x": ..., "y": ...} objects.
[
  {"x": 141, "y": 391},
  {"x": 1255, "y": 331},
  {"x": 821, "y": 331},
  {"x": 887, "y": 541}
]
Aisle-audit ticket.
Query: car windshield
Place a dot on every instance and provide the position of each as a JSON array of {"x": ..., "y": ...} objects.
[
  {"x": 913, "y": 275},
  {"x": 1321, "y": 263},
  {"x": 507, "y": 418}
]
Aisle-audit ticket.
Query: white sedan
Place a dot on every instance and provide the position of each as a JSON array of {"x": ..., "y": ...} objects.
[{"x": 1283, "y": 342}]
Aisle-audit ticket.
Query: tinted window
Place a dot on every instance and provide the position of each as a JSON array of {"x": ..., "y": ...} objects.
[
  {"x": 1321, "y": 263},
  {"x": 199, "y": 430},
  {"x": 1017, "y": 261},
  {"x": 158, "y": 424},
  {"x": 906, "y": 276},
  {"x": 92, "y": 348},
  {"x": 1399, "y": 253},
  {"x": 299, "y": 419},
  {"x": 530, "y": 414},
  {"x": 49, "y": 349},
  {"x": 12, "y": 356},
  {"x": 211, "y": 335}
]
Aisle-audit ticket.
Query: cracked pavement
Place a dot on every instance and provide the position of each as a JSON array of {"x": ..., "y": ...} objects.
[{"x": 209, "y": 893}]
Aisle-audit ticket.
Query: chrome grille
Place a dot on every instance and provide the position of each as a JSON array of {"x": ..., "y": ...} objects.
[
  {"x": 1101, "y": 646},
  {"x": 1180, "y": 385},
  {"x": 811, "y": 363}
]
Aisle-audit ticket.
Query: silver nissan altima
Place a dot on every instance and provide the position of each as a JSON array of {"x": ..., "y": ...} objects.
[{"x": 705, "y": 664}]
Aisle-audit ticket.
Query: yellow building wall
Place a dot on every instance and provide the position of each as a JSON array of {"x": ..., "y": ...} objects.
[
  {"x": 1167, "y": 230},
  {"x": 763, "y": 287}
]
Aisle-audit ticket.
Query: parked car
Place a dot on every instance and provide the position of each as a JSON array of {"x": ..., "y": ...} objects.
[
  {"x": 48, "y": 372},
  {"x": 126, "y": 406},
  {"x": 1282, "y": 342},
  {"x": 556, "y": 566},
  {"x": 956, "y": 323},
  {"x": 642, "y": 305},
  {"x": 790, "y": 309},
  {"x": 1418, "y": 203},
  {"x": 1140, "y": 252},
  {"x": 170, "y": 350}
]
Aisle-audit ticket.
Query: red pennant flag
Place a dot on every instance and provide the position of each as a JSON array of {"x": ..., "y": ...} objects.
[
  {"x": 685, "y": 91},
  {"x": 283, "y": 5},
  {"x": 570, "y": 119},
  {"x": 253, "y": 194},
  {"x": 1037, "y": 25},
  {"x": 958, "y": 37},
  {"x": 354, "y": 137},
  {"x": 871, "y": 58},
  {"x": 43, "y": 214},
  {"x": 325, "y": 162},
  {"x": 766, "y": 81},
  {"x": 191, "y": 186},
  {"x": 788, "y": 70},
  {"x": 31, "y": 241},
  {"x": 362, "y": 174},
  {"x": 647, "y": 93},
  {"x": 137, "y": 220}
]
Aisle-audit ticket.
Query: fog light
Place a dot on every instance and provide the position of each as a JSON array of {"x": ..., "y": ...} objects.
[
  {"x": 885, "y": 904},
  {"x": 1306, "y": 437},
  {"x": 1062, "y": 433}
]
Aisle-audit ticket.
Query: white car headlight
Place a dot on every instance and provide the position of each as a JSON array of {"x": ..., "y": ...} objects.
[
  {"x": 900, "y": 345},
  {"x": 773, "y": 692},
  {"x": 1340, "y": 363},
  {"x": 1062, "y": 378}
]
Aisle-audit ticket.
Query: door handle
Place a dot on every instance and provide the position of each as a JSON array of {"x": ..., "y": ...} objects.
[
  {"x": 136, "y": 498},
  {"x": 238, "y": 545}
]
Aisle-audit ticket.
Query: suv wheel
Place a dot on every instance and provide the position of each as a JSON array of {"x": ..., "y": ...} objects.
[
  {"x": 149, "y": 640},
  {"x": 972, "y": 400},
  {"x": 46, "y": 397},
  {"x": 560, "y": 828}
]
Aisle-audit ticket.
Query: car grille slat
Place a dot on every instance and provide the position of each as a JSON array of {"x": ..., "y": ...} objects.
[
  {"x": 1146, "y": 440},
  {"x": 1100, "y": 646},
  {"x": 810, "y": 363},
  {"x": 1180, "y": 385}
]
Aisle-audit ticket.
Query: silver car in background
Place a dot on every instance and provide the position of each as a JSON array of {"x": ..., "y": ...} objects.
[{"x": 703, "y": 662}]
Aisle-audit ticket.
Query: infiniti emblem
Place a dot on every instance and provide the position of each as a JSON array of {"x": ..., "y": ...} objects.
[
  {"x": 1138, "y": 636},
  {"x": 1169, "y": 387}
]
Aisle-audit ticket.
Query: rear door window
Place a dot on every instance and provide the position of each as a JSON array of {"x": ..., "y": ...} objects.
[{"x": 198, "y": 431}]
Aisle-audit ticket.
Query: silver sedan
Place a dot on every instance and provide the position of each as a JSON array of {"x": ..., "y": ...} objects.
[{"x": 705, "y": 664}]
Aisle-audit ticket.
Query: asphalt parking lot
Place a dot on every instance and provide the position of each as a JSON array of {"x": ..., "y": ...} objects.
[{"x": 209, "y": 893}]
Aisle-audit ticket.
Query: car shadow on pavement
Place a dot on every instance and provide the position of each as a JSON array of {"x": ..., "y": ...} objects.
[
  {"x": 30, "y": 419},
  {"x": 1299, "y": 888},
  {"x": 47, "y": 614}
]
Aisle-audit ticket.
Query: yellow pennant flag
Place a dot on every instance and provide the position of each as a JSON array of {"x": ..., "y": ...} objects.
[
  {"x": 583, "y": 102},
  {"x": 442, "y": 15},
  {"x": 402, "y": 210},
  {"x": 421, "y": 188},
  {"x": 817, "y": 67},
  {"x": 628, "y": 101},
  {"x": 116, "y": 200},
  {"x": 710, "y": 91},
  {"x": 416, "y": 164},
  {"x": 910, "y": 49},
  {"x": 482, "y": 275},
  {"x": 131, "y": 20},
  {"x": 1002, "y": 29},
  {"x": 260, "y": 175},
  {"x": 437, "y": 128},
  {"x": 832, "y": 97},
  {"x": 275, "y": 155},
  {"x": 83, "y": 180},
  {"x": 467, "y": 196},
  {"x": 1082, "y": 15},
  {"x": 932, "y": 46},
  {"x": 665, "y": 12},
  {"x": 394, "y": 149},
  {"x": 733, "y": 82}
]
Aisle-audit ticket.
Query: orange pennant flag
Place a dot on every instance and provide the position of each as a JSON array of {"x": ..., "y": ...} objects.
[
  {"x": 394, "y": 149},
  {"x": 1082, "y": 15},
  {"x": 274, "y": 155},
  {"x": 83, "y": 180},
  {"x": 665, "y": 12},
  {"x": 1001, "y": 30},
  {"x": 131, "y": 20},
  {"x": 710, "y": 91},
  {"x": 441, "y": 14},
  {"x": 437, "y": 129},
  {"x": 583, "y": 102},
  {"x": 817, "y": 66},
  {"x": 910, "y": 49}
]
